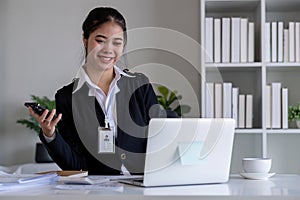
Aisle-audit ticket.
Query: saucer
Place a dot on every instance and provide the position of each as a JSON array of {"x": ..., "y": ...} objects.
[{"x": 257, "y": 176}]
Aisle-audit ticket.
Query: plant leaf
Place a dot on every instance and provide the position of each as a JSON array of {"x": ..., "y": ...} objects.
[
  {"x": 29, "y": 124},
  {"x": 167, "y": 102},
  {"x": 185, "y": 109},
  {"x": 179, "y": 97},
  {"x": 162, "y": 101},
  {"x": 164, "y": 91},
  {"x": 178, "y": 110},
  {"x": 172, "y": 98}
]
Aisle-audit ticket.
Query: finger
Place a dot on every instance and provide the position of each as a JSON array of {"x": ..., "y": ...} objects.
[
  {"x": 43, "y": 116},
  {"x": 57, "y": 119},
  {"x": 50, "y": 118}
]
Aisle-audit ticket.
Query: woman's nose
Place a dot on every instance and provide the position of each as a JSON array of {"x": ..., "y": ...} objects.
[{"x": 107, "y": 47}]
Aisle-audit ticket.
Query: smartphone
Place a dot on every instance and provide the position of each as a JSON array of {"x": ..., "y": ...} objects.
[{"x": 38, "y": 109}]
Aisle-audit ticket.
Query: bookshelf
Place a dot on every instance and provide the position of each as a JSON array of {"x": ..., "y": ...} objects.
[{"x": 252, "y": 77}]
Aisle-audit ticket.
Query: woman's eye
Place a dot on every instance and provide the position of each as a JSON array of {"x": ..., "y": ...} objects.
[
  {"x": 100, "y": 41},
  {"x": 117, "y": 43}
]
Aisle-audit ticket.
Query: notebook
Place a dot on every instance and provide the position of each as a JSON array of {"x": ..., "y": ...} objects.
[{"x": 184, "y": 151}]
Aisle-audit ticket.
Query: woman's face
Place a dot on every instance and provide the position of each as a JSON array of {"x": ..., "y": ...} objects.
[{"x": 104, "y": 46}]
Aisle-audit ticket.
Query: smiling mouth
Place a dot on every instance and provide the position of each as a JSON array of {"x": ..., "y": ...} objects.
[{"x": 105, "y": 59}]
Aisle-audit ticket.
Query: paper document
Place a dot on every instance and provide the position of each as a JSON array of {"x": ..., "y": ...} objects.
[
  {"x": 90, "y": 183},
  {"x": 82, "y": 180},
  {"x": 12, "y": 181},
  {"x": 102, "y": 186}
]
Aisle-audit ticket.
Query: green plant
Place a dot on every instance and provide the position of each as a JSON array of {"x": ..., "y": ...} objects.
[
  {"x": 168, "y": 98},
  {"x": 31, "y": 123},
  {"x": 294, "y": 112}
]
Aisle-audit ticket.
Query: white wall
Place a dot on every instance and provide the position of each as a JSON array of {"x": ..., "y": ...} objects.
[{"x": 41, "y": 51}]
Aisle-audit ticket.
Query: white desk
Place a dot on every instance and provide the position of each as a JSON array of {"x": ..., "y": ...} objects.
[{"x": 277, "y": 187}]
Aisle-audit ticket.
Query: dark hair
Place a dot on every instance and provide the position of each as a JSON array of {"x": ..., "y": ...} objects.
[{"x": 99, "y": 16}]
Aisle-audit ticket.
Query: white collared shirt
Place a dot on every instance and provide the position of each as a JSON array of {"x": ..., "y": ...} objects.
[{"x": 107, "y": 102}]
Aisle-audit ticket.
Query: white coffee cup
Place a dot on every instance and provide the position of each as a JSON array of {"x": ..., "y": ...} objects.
[{"x": 257, "y": 165}]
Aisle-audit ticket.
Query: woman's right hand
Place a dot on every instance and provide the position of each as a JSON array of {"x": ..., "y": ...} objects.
[{"x": 47, "y": 124}]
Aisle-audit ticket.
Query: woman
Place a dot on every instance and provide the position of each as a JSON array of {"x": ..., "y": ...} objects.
[{"x": 104, "y": 112}]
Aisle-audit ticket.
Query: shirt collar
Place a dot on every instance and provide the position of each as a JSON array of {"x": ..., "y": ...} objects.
[{"x": 83, "y": 77}]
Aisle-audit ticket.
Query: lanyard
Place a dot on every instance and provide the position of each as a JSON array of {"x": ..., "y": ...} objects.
[
  {"x": 106, "y": 122},
  {"x": 108, "y": 107}
]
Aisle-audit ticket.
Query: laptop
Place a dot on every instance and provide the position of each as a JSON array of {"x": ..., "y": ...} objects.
[{"x": 185, "y": 151}]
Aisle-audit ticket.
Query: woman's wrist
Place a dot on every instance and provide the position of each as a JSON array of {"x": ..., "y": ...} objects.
[
  {"x": 49, "y": 138},
  {"x": 48, "y": 133}
]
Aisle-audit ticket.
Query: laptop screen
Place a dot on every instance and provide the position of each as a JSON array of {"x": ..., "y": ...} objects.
[{"x": 188, "y": 151}]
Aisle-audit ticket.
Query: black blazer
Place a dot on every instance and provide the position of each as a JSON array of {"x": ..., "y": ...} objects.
[{"x": 75, "y": 146}]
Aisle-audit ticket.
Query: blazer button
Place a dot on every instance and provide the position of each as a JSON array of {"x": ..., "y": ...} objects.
[{"x": 123, "y": 156}]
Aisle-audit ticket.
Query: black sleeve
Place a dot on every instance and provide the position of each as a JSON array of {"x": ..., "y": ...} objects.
[{"x": 66, "y": 149}]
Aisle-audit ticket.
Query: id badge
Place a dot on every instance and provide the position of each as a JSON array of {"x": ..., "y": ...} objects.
[{"x": 106, "y": 140}]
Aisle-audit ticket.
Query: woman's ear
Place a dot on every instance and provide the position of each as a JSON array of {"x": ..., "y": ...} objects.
[{"x": 84, "y": 42}]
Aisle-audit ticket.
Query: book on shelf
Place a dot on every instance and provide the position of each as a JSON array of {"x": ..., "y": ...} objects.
[
  {"x": 218, "y": 100},
  {"x": 286, "y": 45},
  {"x": 229, "y": 40},
  {"x": 297, "y": 42},
  {"x": 280, "y": 42},
  {"x": 291, "y": 41},
  {"x": 244, "y": 40},
  {"x": 274, "y": 42},
  {"x": 217, "y": 40},
  {"x": 241, "y": 121},
  {"x": 235, "y": 39},
  {"x": 224, "y": 101},
  {"x": 209, "y": 30},
  {"x": 227, "y": 100},
  {"x": 251, "y": 42},
  {"x": 226, "y": 40},
  {"x": 235, "y": 104},
  {"x": 268, "y": 107},
  {"x": 276, "y": 105},
  {"x": 268, "y": 42},
  {"x": 209, "y": 100},
  {"x": 249, "y": 111},
  {"x": 285, "y": 109}
]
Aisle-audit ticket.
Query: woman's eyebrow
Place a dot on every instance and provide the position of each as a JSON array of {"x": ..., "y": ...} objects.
[
  {"x": 105, "y": 37},
  {"x": 102, "y": 36},
  {"x": 118, "y": 39}
]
